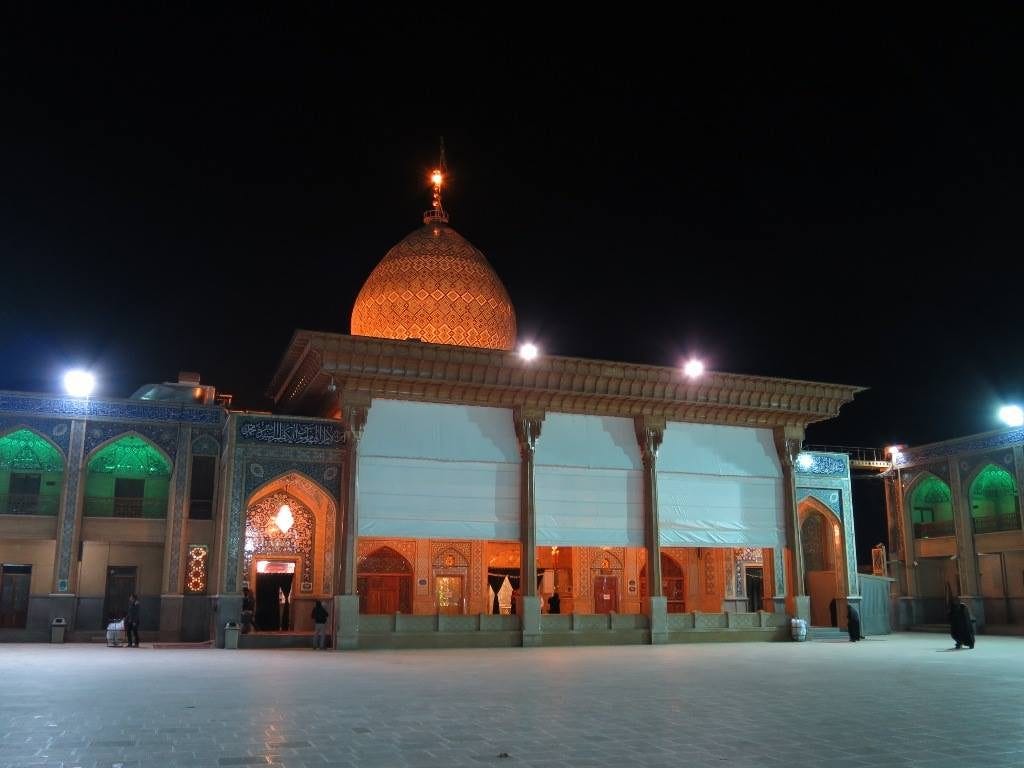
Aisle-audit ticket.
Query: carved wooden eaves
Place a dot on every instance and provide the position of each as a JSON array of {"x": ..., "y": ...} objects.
[{"x": 404, "y": 370}]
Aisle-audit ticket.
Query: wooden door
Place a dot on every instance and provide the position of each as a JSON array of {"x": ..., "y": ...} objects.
[
  {"x": 382, "y": 594},
  {"x": 606, "y": 594},
  {"x": 120, "y": 584},
  {"x": 14, "y": 591}
]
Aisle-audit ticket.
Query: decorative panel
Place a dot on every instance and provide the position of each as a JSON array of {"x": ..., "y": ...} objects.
[{"x": 197, "y": 568}]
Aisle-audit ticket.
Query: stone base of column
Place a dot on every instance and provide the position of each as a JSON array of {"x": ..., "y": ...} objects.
[
  {"x": 226, "y": 608},
  {"x": 841, "y": 605},
  {"x": 775, "y": 605},
  {"x": 530, "y": 618},
  {"x": 907, "y": 610},
  {"x": 170, "y": 618},
  {"x": 657, "y": 614},
  {"x": 802, "y": 608},
  {"x": 346, "y": 623}
]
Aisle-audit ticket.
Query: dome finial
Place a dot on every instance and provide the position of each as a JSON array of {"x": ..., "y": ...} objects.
[{"x": 437, "y": 212}]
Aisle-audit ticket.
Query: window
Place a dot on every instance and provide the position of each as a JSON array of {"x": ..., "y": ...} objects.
[
  {"x": 23, "y": 496},
  {"x": 201, "y": 495},
  {"x": 128, "y": 497}
]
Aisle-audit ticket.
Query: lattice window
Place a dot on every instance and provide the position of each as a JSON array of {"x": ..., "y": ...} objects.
[{"x": 197, "y": 568}]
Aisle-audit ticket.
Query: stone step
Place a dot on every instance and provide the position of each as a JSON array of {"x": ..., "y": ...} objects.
[{"x": 827, "y": 633}]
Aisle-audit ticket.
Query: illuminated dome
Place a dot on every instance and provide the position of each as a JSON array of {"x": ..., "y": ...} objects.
[{"x": 436, "y": 287}]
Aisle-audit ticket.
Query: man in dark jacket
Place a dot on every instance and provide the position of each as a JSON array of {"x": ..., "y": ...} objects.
[
  {"x": 131, "y": 620},
  {"x": 319, "y": 627}
]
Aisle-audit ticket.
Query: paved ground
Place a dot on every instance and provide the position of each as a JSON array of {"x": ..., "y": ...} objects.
[{"x": 903, "y": 700}]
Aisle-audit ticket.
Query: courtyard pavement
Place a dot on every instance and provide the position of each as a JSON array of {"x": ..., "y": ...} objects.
[{"x": 899, "y": 700}]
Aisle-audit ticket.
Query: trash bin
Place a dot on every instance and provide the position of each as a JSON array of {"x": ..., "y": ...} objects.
[
  {"x": 798, "y": 627},
  {"x": 231, "y": 635},
  {"x": 57, "y": 627}
]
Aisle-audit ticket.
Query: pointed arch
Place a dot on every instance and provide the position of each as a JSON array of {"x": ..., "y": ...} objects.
[
  {"x": 309, "y": 542},
  {"x": 31, "y": 473},
  {"x": 127, "y": 476},
  {"x": 450, "y": 557},
  {"x": 43, "y": 454},
  {"x": 823, "y": 544},
  {"x": 930, "y": 502},
  {"x": 130, "y": 452},
  {"x": 994, "y": 500},
  {"x": 606, "y": 559},
  {"x": 384, "y": 579}
]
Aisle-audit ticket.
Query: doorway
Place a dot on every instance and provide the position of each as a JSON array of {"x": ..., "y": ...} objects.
[
  {"x": 14, "y": 591},
  {"x": 448, "y": 591},
  {"x": 121, "y": 581},
  {"x": 606, "y": 594},
  {"x": 384, "y": 583},
  {"x": 820, "y": 539},
  {"x": 755, "y": 587},
  {"x": 273, "y": 582}
]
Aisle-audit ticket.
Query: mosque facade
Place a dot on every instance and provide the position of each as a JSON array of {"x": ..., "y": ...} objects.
[{"x": 432, "y": 487}]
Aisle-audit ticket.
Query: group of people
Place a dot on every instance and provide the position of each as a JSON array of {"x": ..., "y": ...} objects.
[
  {"x": 961, "y": 624},
  {"x": 319, "y": 616}
]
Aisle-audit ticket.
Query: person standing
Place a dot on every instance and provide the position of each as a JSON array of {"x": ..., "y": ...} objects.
[
  {"x": 319, "y": 627},
  {"x": 961, "y": 625},
  {"x": 131, "y": 620},
  {"x": 853, "y": 623},
  {"x": 248, "y": 610},
  {"x": 554, "y": 603}
]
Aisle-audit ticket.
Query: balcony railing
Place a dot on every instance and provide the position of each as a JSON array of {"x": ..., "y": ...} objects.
[
  {"x": 105, "y": 506},
  {"x": 993, "y": 523},
  {"x": 933, "y": 530},
  {"x": 28, "y": 504}
]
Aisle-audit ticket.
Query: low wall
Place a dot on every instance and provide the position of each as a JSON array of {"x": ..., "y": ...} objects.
[{"x": 489, "y": 631}]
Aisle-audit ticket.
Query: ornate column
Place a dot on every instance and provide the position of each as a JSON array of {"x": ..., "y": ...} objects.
[
  {"x": 354, "y": 407},
  {"x": 788, "y": 442},
  {"x": 528, "y": 424},
  {"x": 967, "y": 560},
  {"x": 228, "y": 556},
  {"x": 1018, "y": 465},
  {"x": 649, "y": 434},
  {"x": 69, "y": 529},
  {"x": 902, "y": 543},
  {"x": 174, "y": 544}
]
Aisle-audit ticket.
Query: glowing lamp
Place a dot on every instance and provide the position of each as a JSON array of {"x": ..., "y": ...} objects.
[
  {"x": 436, "y": 177},
  {"x": 528, "y": 352},
  {"x": 79, "y": 383},
  {"x": 1012, "y": 415},
  {"x": 894, "y": 450},
  {"x": 284, "y": 518},
  {"x": 693, "y": 368},
  {"x": 805, "y": 461}
]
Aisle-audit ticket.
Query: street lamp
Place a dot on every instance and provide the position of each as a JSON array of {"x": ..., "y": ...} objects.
[
  {"x": 1012, "y": 415},
  {"x": 693, "y": 368},
  {"x": 528, "y": 351},
  {"x": 79, "y": 383}
]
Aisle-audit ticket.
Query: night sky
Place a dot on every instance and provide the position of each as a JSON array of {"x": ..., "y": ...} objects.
[{"x": 834, "y": 199}]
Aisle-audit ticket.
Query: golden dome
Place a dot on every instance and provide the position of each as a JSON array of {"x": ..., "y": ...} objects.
[{"x": 436, "y": 287}]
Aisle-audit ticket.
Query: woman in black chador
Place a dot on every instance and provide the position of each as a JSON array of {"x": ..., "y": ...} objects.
[
  {"x": 961, "y": 625},
  {"x": 853, "y": 623}
]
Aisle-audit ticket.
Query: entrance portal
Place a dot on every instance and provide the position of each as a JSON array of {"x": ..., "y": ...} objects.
[{"x": 820, "y": 538}]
